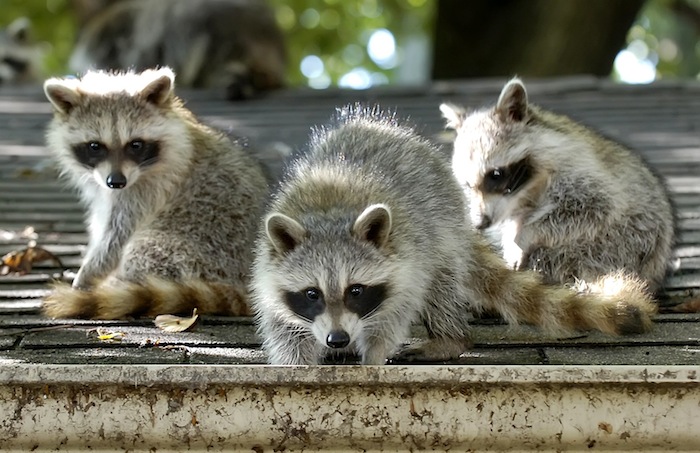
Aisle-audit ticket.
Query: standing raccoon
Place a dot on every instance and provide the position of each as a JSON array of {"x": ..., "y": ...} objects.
[
  {"x": 20, "y": 57},
  {"x": 231, "y": 44},
  {"x": 367, "y": 234},
  {"x": 565, "y": 201},
  {"x": 172, "y": 204}
]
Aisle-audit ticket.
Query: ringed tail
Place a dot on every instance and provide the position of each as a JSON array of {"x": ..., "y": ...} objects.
[
  {"x": 118, "y": 299},
  {"x": 616, "y": 304}
]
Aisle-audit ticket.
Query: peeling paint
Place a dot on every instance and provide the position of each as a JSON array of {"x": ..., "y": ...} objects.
[{"x": 191, "y": 408}]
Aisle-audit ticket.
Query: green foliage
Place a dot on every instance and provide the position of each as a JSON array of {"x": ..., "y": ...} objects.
[
  {"x": 666, "y": 34},
  {"x": 337, "y": 31},
  {"x": 53, "y": 26}
]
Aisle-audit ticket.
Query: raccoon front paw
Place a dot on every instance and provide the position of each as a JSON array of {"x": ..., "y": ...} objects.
[
  {"x": 82, "y": 281},
  {"x": 435, "y": 350},
  {"x": 513, "y": 256}
]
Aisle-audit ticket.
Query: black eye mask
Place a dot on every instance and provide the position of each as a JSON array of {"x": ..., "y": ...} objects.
[{"x": 509, "y": 179}]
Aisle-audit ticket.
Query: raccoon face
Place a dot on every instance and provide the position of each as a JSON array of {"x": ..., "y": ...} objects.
[
  {"x": 495, "y": 174},
  {"x": 358, "y": 302},
  {"x": 116, "y": 128},
  {"x": 17, "y": 55},
  {"x": 118, "y": 166},
  {"x": 342, "y": 277},
  {"x": 492, "y": 157},
  {"x": 496, "y": 196}
]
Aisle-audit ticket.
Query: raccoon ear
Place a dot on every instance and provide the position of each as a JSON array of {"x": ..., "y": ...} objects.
[
  {"x": 62, "y": 94},
  {"x": 512, "y": 103},
  {"x": 159, "y": 91},
  {"x": 374, "y": 225},
  {"x": 284, "y": 232},
  {"x": 19, "y": 29},
  {"x": 453, "y": 114}
]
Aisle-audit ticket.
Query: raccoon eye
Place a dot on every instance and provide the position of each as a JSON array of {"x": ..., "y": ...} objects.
[
  {"x": 365, "y": 300},
  {"x": 312, "y": 294},
  {"x": 495, "y": 174},
  {"x": 136, "y": 145},
  {"x": 95, "y": 147},
  {"x": 356, "y": 290}
]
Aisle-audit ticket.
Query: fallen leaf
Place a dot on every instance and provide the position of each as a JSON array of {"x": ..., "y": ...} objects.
[
  {"x": 107, "y": 335},
  {"x": 22, "y": 261},
  {"x": 172, "y": 323},
  {"x": 691, "y": 306}
]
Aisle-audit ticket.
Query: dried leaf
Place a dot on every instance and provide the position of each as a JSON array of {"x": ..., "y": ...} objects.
[
  {"x": 172, "y": 323},
  {"x": 112, "y": 336},
  {"x": 691, "y": 306},
  {"x": 22, "y": 261},
  {"x": 107, "y": 335}
]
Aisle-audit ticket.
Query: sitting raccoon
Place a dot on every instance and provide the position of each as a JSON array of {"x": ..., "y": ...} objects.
[
  {"x": 235, "y": 45},
  {"x": 20, "y": 57},
  {"x": 563, "y": 200}
]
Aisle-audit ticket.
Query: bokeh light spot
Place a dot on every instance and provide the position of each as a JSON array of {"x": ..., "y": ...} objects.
[
  {"x": 285, "y": 16},
  {"x": 311, "y": 66},
  {"x": 634, "y": 70},
  {"x": 357, "y": 79},
  {"x": 310, "y": 18},
  {"x": 381, "y": 48}
]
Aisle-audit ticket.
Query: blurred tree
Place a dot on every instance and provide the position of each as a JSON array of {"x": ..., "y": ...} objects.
[
  {"x": 534, "y": 38},
  {"x": 338, "y": 33},
  {"x": 53, "y": 25},
  {"x": 472, "y": 38},
  {"x": 662, "y": 43}
]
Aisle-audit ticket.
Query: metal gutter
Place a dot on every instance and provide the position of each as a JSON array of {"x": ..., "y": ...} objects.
[{"x": 391, "y": 408}]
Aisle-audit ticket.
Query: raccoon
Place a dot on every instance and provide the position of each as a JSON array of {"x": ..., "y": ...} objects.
[
  {"x": 367, "y": 234},
  {"x": 234, "y": 45},
  {"x": 173, "y": 205},
  {"x": 563, "y": 200},
  {"x": 20, "y": 57}
]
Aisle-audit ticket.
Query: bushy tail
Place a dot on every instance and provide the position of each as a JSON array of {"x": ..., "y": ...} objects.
[
  {"x": 118, "y": 299},
  {"x": 616, "y": 304}
]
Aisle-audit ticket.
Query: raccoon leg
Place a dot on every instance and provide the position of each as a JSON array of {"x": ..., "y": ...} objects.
[
  {"x": 376, "y": 353},
  {"x": 289, "y": 344},
  {"x": 109, "y": 234},
  {"x": 445, "y": 317},
  {"x": 379, "y": 345}
]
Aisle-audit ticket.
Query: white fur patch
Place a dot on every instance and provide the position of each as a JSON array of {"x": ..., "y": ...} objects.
[
  {"x": 102, "y": 82},
  {"x": 324, "y": 324}
]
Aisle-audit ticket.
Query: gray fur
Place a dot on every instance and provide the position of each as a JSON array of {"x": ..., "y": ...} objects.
[
  {"x": 591, "y": 208},
  {"x": 366, "y": 159},
  {"x": 373, "y": 204}
]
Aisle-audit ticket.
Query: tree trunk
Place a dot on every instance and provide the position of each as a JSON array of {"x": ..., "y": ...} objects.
[{"x": 532, "y": 38}]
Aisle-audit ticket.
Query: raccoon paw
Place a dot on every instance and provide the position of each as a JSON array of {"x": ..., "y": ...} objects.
[{"x": 434, "y": 350}]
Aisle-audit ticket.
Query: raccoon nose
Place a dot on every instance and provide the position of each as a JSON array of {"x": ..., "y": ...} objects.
[
  {"x": 116, "y": 180},
  {"x": 485, "y": 223},
  {"x": 338, "y": 339}
]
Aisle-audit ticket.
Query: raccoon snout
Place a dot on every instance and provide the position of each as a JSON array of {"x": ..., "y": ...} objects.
[
  {"x": 338, "y": 339},
  {"x": 116, "y": 180},
  {"x": 484, "y": 223}
]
